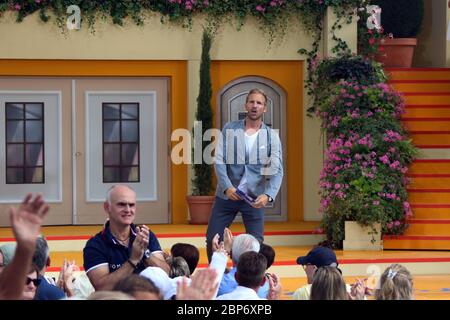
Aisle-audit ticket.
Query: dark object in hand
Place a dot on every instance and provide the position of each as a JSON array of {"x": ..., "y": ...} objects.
[{"x": 245, "y": 197}]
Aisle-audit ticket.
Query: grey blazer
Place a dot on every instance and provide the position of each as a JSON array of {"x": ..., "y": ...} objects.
[{"x": 264, "y": 164}]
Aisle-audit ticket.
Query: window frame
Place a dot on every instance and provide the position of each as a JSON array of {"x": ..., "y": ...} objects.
[{"x": 24, "y": 142}]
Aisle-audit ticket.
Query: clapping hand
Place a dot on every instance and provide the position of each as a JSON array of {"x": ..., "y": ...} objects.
[
  {"x": 203, "y": 286},
  {"x": 275, "y": 288},
  {"x": 140, "y": 244}
]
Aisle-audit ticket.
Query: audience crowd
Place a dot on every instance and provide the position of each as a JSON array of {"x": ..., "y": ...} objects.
[{"x": 125, "y": 262}]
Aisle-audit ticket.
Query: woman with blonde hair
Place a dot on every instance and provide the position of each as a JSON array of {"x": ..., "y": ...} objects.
[
  {"x": 396, "y": 283},
  {"x": 328, "y": 284}
]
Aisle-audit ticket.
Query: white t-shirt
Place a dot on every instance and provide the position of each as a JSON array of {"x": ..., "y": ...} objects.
[{"x": 249, "y": 142}]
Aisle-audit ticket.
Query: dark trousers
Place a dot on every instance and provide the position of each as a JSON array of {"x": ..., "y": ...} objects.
[{"x": 223, "y": 214}]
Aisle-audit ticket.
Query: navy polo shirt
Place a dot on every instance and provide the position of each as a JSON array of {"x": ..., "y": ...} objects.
[{"x": 104, "y": 249}]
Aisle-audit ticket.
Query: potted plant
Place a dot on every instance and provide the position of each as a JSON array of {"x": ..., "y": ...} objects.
[
  {"x": 368, "y": 152},
  {"x": 201, "y": 200},
  {"x": 401, "y": 21}
]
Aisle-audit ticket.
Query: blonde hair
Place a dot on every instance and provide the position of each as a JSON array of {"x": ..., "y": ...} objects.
[
  {"x": 255, "y": 91},
  {"x": 178, "y": 267},
  {"x": 396, "y": 283},
  {"x": 109, "y": 295},
  {"x": 328, "y": 284}
]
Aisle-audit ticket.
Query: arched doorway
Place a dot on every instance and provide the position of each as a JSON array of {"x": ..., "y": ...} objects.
[{"x": 231, "y": 102}]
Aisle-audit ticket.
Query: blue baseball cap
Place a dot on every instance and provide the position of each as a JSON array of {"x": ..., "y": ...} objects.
[{"x": 320, "y": 257}]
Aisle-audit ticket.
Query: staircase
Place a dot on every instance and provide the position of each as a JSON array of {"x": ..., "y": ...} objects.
[{"x": 427, "y": 117}]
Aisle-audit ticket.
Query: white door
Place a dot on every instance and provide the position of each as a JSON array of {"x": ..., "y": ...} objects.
[
  {"x": 35, "y": 150},
  {"x": 122, "y": 137},
  {"x": 71, "y": 139}
]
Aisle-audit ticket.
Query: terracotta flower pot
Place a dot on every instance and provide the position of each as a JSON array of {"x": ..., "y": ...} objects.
[
  {"x": 200, "y": 208},
  {"x": 398, "y": 52}
]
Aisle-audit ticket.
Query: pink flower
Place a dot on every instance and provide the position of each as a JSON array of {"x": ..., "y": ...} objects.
[
  {"x": 390, "y": 225},
  {"x": 260, "y": 8},
  {"x": 384, "y": 159}
]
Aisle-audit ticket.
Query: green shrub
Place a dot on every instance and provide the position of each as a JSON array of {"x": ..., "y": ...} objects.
[{"x": 202, "y": 182}]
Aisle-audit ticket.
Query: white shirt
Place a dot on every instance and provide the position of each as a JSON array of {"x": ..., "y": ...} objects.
[
  {"x": 249, "y": 142},
  {"x": 241, "y": 293}
]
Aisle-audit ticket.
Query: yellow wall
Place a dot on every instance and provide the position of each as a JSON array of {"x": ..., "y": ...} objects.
[
  {"x": 176, "y": 70},
  {"x": 288, "y": 75},
  {"x": 33, "y": 39}
]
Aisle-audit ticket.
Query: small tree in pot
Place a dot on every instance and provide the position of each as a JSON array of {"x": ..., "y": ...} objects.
[{"x": 200, "y": 201}]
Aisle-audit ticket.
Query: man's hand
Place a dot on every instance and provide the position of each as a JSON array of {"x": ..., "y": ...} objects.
[
  {"x": 27, "y": 220},
  {"x": 261, "y": 201},
  {"x": 140, "y": 244},
  {"x": 275, "y": 288},
  {"x": 231, "y": 194},
  {"x": 228, "y": 239}
]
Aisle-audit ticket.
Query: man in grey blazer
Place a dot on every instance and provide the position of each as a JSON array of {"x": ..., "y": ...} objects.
[{"x": 249, "y": 170}]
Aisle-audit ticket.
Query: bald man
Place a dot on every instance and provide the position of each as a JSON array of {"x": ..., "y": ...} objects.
[{"x": 121, "y": 248}]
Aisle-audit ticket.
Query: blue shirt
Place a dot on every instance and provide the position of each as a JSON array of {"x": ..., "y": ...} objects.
[
  {"x": 228, "y": 283},
  {"x": 263, "y": 291},
  {"x": 104, "y": 249},
  {"x": 47, "y": 291}
]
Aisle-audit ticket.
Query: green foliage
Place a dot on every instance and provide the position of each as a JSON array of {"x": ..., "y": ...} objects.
[
  {"x": 350, "y": 68},
  {"x": 401, "y": 18},
  {"x": 202, "y": 183},
  {"x": 312, "y": 16}
]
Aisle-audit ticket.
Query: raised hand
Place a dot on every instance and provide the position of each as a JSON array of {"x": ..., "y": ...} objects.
[
  {"x": 203, "y": 286},
  {"x": 66, "y": 277},
  {"x": 358, "y": 290},
  {"x": 275, "y": 288},
  {"x": 26, "y": 221},
  {"x": 228, "y": 239}
]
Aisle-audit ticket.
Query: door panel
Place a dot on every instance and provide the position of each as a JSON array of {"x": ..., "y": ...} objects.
[
  {"x": 70, "y": 160},
  {"x": 130, "y": 147},
  {"x": 35, "y": 154},
  {"x": 232, "y": 107}
]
